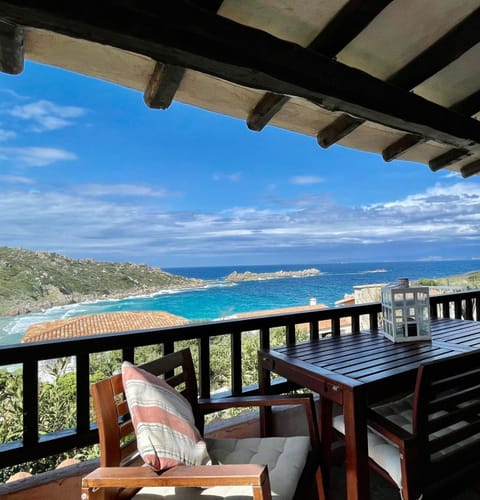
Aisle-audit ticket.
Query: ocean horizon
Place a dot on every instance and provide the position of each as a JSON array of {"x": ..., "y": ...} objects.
[{"x": 220, "y": 299}]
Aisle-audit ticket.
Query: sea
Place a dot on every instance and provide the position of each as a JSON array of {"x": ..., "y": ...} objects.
[{"x": 220, "y": 299}]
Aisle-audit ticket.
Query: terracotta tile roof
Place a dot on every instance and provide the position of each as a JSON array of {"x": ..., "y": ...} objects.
[{"x": 93, "y": 324}]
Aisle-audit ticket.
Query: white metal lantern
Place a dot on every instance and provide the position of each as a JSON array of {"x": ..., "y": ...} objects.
[{"x": 406, "y": 312}]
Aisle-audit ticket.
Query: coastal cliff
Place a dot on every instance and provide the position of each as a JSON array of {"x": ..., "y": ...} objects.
[
  {"x": 249, "y": 276},
  {"x": 33, "y": 281}
]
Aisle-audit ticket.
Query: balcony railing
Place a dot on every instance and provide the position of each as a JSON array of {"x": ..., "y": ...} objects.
[{"x": 464, "y": 305}]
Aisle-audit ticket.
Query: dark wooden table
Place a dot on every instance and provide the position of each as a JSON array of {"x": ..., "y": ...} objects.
[{"x": 359, "y": 369}]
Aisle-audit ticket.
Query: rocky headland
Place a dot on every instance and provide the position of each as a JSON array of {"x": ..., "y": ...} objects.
[
  {"x": 34, "y": 281},
  {"x": 249, "y": 276}
]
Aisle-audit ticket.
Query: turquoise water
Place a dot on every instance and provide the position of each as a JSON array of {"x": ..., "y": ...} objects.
[{"x": 220, "y": 299}]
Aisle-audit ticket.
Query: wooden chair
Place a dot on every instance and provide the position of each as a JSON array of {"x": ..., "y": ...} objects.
[
  {"x": 121, "y": 474},
  {"x": 429, "y": 439}
]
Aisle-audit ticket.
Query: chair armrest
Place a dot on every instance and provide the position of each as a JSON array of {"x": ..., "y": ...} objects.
[
  {"x": 389, "y": 429},
  {"x": 267, "y": 401},
  {"x": 203, "y": 476}
]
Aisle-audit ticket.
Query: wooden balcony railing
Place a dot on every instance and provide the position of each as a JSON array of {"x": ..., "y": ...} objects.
[{"x": 29, "y": 356}]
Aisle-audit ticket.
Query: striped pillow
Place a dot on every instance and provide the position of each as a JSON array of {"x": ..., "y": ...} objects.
[{"x": 163, "y": 421}]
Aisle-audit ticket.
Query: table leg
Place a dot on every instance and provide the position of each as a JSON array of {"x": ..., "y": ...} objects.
[
  {"x": 356, "y": 448},
  {"x": 264, "y": 376}
]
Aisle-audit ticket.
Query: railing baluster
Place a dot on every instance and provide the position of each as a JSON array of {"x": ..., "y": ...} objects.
[
  {"x": 469, "y": 309},
  {"x": 236, "y": 366},
  {"x": 336, "y": 327},
  {"x": 128, "y": 354},
  {"x": 355, "y": 323},
  {"x": 373, "y": 320},
  {"x": 265, "y": 338},
  {"x": 204, "y": 367},
  {"x": 314, "y": 333},
  {"x": 458, "y": 308},
  {"x": 30, "y": 402},
  {"x": 290, "y": 337},
  {"x": 83, "y": 392}
]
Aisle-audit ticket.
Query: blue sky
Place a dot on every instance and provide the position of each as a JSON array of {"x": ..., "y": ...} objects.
[{"x": 88, "y": 171}]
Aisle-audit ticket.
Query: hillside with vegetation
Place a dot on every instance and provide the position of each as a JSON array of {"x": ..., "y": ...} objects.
[
  {"x": 33, "y": 281},
  {"x": 467, "y": 280}
]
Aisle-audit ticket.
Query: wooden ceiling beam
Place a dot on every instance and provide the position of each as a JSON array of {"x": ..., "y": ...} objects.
[
  {"x": 448, "y": 158},
  {"x": 178, "y": 33},
  {"x": 350, "y": 20},
  {"x": 163, "y": 85},
  {"x": 265, "y": 109},
  {"x": 452, "y": 45},
  {"x": 469, "y": 106},
  {"x": 399, "y": 147},
  {"x": 11, "y": 48},
  {"x": 166, "y": 78},
  {"x": 470, "y": 169},
  {"x": 334, "y": 132}
]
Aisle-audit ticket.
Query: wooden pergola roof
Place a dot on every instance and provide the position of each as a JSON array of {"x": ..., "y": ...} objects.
[{"x": 397, "y": 77}]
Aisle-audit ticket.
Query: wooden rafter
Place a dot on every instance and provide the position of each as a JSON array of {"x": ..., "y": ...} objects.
[
  {"x": 468, "y": 106},
  {"x": 399, "y": 147},
  {"x": 163, "y": 85},
  {"x": 470, "y": 169},
  {"x": 453, "y": 44},
  {"x": 177, "y": 33},
  {"x": 166, "y": 78},
  {"x": 11, "y": 48},
  {"x": 339, "y": 32}
]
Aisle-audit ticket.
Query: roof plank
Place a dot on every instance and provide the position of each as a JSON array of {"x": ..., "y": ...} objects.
[{"x": 178, "y": 33}]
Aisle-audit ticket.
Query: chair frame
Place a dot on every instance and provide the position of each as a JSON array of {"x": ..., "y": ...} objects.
[
  {"x": 451, "y": 385},
  {"x": 121, "y": 474}
]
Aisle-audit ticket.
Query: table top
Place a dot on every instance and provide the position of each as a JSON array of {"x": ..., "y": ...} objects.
[{"x": 368, "y": 358}]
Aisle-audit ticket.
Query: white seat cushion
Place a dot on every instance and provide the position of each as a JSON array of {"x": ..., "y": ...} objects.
[
  {"x": 383, "y": 452},
  {"x": 285, "y": 457}
]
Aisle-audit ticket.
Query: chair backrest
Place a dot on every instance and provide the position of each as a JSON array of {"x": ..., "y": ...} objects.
[
  {"x": 447, "y": 413},
  {"x": 116, "y": 435}
]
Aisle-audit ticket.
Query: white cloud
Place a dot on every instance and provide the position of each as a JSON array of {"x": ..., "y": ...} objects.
[
  {"x": 82, "y": 225},
  {"x": 233, "y": 177},
  {"x": 304, "y": 180},
  {"x": 5, "y": 135},
  {"x": 46, "y": 115},
  {"x": 124, "y": 190},
  {"x": 16, "y": 179},
  {"x": 35, "y": 156}
]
